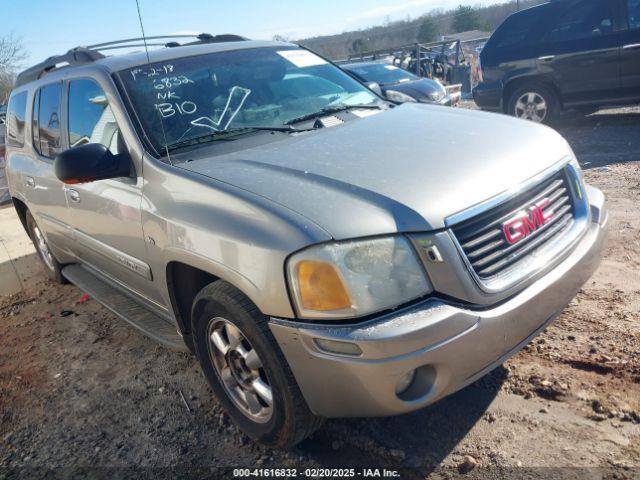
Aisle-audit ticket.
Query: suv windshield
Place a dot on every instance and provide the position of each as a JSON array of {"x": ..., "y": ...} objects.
[
  {"x": 189, "y": 97},
  {"x": 381, "y": 73}
]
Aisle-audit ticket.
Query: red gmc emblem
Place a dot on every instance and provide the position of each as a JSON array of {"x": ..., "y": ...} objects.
[{"x": 526, "y": 222}]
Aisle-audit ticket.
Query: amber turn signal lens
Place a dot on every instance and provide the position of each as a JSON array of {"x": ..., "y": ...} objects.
[{"x": 321, "y": 288}]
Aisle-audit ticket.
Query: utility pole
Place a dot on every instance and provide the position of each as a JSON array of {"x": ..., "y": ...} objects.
[{"x": 518, "y": 5}]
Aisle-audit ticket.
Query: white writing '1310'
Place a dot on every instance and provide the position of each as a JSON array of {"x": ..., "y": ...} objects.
[{"x": 170, "y": 109}]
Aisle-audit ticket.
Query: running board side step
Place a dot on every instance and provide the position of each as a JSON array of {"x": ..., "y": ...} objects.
[{"x": 125, "y": 308}]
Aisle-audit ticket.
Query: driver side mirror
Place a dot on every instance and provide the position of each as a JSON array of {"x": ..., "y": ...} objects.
[
  {"x": 90, "y": 162},
  {"x": 375, "y": 87}
]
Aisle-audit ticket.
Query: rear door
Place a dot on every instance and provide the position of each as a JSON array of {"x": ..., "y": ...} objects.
[
  {"x": 630, "y": 60},
  {"x": 581, "y": 51},
  {"x": 44, "y": 192}
]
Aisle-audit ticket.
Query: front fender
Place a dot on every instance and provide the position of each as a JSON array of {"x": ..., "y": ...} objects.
[{"x": 225, "y": 231}]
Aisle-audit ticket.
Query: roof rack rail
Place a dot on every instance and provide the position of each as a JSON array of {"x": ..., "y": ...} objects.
[
  {"x": 200, "y": 38},
  {"x": 91, "y": 53},
  {"x": 75, "y": 56}
]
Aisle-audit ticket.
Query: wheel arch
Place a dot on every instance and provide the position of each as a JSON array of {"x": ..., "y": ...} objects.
[
  {"x": 21, "y": 210},
  {"x": 513, "y": 84},
  {"x": 184, "y": 282}
]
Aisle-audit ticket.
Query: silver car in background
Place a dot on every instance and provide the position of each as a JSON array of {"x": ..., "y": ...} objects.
[{"x": 322, "y": 252}]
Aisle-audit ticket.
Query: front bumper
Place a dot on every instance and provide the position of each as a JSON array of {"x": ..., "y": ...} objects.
[
  {"x": 451, "y": 99},
  {"x": 488, "y": 96},
  {"x": 450, "y": 346}
]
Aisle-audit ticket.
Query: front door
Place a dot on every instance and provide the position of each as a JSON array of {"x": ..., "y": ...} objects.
[
  {"x": 630, "y": 61},
  {"x": 581, "y": 51},
  {"x": 105, "y": 214}
]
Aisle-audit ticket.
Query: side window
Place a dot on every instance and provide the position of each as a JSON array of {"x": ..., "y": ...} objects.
[
  {"x": 15, "y": 120},
  {"x": 46, "y": 114},
  {"x": 634, "y": 14},
  {"x": 515, "y": 30},
  {"x": 91, "y": 119},
  {"x": 582, "y": 19}
]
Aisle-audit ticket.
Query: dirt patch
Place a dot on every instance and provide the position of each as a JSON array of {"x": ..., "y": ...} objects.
[{"x": 87, "y": 390}]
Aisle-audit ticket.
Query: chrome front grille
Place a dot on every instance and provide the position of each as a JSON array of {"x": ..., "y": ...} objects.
[{"x": 484, "y": 243}]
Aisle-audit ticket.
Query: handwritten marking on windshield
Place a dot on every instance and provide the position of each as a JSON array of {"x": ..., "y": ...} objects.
[
  {"x": 152, "y": 71},
  {"x": 171, "y": 82},
  {"x": 168, "y": 96},
  {"x": 236, "y": 94},
  {"x": 170, "y": 109}
]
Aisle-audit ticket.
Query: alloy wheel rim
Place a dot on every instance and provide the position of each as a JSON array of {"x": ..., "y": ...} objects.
[
  {"x": 43, "y": 248},
  {"x": 532, "y": 106},
  {"x": 240, "y": 370}
]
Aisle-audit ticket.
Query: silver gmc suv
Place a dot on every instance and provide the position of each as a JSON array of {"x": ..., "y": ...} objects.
[{"x": 322, "y": 252}]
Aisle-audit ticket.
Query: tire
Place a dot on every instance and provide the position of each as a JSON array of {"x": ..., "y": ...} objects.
[
  {"x": 223, "y": 313},
  {"x": 51, "y": 265},
  {"x": 534, "y": 102}
]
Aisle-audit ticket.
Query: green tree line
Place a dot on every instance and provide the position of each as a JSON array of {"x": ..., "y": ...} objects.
[{"x": 429, "y": 27}]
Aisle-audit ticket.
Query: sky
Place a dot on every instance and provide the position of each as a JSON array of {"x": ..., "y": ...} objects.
[{"x": 49, "y": 27}]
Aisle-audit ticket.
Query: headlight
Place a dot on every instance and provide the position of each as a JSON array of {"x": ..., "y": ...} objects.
[
  {"x": 399, "y": 97},
  {"x": 439, "y": 94},
  {"x": 355, "y": 278}
]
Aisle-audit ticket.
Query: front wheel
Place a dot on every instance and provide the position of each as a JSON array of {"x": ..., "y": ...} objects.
[
  {"x": 536, "y": 103},
  {"x": 246, "y": 369}
]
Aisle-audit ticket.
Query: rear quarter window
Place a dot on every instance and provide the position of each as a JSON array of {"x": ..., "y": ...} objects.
[
  {"x": 15, "y": 121},
  {"x": 516, "y": 35},
  {"x": 516, "y": 30}
]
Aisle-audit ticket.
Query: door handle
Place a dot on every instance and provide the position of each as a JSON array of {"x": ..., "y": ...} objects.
[
  {"x": 631, "y": 46},
  {"x": 30, "y": 182},
  {"x": 73, "y": 195},
  {"x": 547, "y": 58}
]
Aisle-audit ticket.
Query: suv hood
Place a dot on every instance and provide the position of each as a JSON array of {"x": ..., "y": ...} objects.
[{"x": 406, "y": 169}]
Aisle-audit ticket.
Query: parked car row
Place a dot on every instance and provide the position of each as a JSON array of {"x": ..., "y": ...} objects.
[{"x": 564, "y": 55}]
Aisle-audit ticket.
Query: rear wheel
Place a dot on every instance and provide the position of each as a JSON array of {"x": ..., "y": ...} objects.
[
  {"x": 246, "y": 369},
  {"x": 52, "y": 266},
  {"x": 533, "y": 102}
]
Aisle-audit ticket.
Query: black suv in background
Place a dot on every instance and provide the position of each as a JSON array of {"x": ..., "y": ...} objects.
[{"x": 563, "y": 55}]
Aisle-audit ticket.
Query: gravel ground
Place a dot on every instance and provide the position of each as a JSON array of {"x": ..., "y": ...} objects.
[{"x": 81, "y": 390}]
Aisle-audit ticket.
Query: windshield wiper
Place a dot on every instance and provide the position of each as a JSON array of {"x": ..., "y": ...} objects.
[
  {"x": 231, "y": 134},
  {"x": 330, "y": 110}
]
